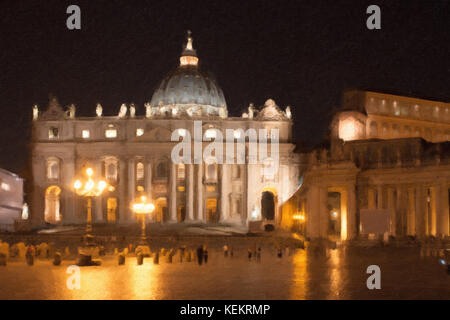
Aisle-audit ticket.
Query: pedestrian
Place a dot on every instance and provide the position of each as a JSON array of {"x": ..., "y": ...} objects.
[
  {"x": 258, "y": 255},
  {"x": 225, "y": 251},
  {"x": 205, "y": 254},
  {"x": 231, "y": 251},
  {"x": 200, "y": 255},
  {"x": 249, "y": 254},
  {"x": 280, "y": 253}
]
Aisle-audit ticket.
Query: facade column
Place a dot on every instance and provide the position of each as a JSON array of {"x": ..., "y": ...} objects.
[
  {"x": 148, "y": 181},
  {"x": 442, "y": 210},
  {"x": 371, "y": 198},
  {"x": 351, "y": 212},
  {"x": 323, "y": 212},
  {"x": 98, "y": 203},
  {"x": 199, "y": 201},
  {"x": 189, "y": 192},
  {"x": 173, "y": 193},
  {"x": 69, "y": 210},
  {"x": 123, "y": 199},
  {"x": 379, "y": 197},
  {"x": 131, "y": 186},
  {"x": 420, "y": 211},
  {"x": 223, "y": 193}
]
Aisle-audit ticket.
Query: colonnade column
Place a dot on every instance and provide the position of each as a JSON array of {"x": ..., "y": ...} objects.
[
  {"x": 442, "y": 209},
  {"x": 420, "y": 211},
  {"x": 392, "y": 210},
  {"x": 323, "y": 212},
  {"x": 411, "y": 220},
  {"x": 312, "y": 221},
  {"x": 351, "y": 211},
  {"x": 189, "y": 192},
  {"x": 173, "y": 193},
  {"x": 379, "y": 197}
]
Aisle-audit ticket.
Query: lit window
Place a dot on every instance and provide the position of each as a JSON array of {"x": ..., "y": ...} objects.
[
  {"x": 181, "y": 172},
  {"x": 139, "y": 171},
  {"x": 182, "y": 132},
  {"x": 347, "y": 130},
  {"x": 139, "y": 132},
  {"x": 111, "y": 169},
  {"x": 210, "y": 133},
  {"x": 85, "y": 134},
  {"x": 53, "y": 133},
  {"x": 5, "y": 186},
  {"x": 111, "y": 132},
  {"x": 52, "y": 169}
]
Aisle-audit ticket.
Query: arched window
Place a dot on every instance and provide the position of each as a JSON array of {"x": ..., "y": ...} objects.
[
  {"x": 111, "y": 169},
  {"x": 161, "y": 170},
  {"x": 140, "y": 171},
  {"x": 52, "y": 169},
  {"x": 373, "y": 129}
]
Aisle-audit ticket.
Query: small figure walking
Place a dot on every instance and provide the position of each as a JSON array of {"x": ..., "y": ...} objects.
[
  {"x": 280, "y": 253},
  {"x": 200, "y": 255},
  {"x": 225, "y": 251},
  {"x": 249, "y": 254},
  {"x": 205, "y": 254},
  {"x": 258, "y": 255}
]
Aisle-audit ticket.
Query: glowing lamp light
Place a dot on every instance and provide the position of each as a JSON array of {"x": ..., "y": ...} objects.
[
  {"x": 299, "y": 217},
  {"x": 347, "y": 130},
  {"x": 334, "y": 214},
  {"x": 255, "y": 214}
]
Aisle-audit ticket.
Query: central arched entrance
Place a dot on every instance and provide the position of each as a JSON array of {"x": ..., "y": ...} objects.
[
  {"x": 268, "y": 205},
  {"x": 52, "y": 205}
]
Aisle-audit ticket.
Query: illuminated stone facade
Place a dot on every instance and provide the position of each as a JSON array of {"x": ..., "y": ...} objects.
[
  {"x": 388, "y": 156},
  {"x": 133, "y": 154}
]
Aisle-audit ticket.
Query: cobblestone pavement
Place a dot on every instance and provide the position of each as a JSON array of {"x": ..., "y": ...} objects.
[{"x": 406, "y": 273}]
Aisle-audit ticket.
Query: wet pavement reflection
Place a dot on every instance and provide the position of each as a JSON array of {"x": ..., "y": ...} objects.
[{"x": 406, "y": 273}]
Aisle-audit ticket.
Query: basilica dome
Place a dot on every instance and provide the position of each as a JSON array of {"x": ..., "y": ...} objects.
[{"x": 188, "y": 90}]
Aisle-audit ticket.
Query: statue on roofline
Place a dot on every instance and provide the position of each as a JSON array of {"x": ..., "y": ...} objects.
[
  {"x": 99, "y": 110},
  {"x": 123, "y": 110}
]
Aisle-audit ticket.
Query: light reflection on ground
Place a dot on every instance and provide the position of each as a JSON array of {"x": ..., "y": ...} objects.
[{"x": 338, "y": 274}]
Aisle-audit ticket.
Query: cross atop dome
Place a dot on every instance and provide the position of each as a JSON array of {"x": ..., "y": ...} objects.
[{"x": 189, "y": 55}]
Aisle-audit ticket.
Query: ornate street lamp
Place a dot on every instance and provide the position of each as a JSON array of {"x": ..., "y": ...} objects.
[
  {"x": 89, "y": 188},
  {"x": 142, "y": 208}
]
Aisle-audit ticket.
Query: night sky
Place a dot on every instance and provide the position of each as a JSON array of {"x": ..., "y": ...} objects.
[{"x": 300, "y": 53}]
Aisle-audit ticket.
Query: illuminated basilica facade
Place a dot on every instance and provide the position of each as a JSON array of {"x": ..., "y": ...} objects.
[
  {"x": 132, "y": 153},
  {"x": 386, "y": 168}
]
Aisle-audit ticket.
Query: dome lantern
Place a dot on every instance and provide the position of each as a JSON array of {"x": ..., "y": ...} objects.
[{"x": 189, "y": 55}]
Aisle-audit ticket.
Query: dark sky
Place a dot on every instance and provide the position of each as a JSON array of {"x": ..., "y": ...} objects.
[{"x": 300, "y": 53}]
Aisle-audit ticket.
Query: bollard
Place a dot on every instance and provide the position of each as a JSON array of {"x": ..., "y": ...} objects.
[
  {"x": 140, "y": 259},
  {"x": 121, "y": 259},
  {"x": 2, "y": 259},
  {"x": 30, "y": 259},
  {"x": 57, "y": 259},
  {"x": 156, "y": 258}
]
